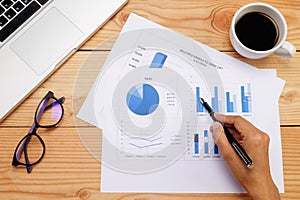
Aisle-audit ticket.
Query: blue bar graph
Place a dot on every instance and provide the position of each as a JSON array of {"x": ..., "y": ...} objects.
[
  {"x": 231, "y": 105},
  {"x": 216, "y": 149},
  {"x": 199, "y": 105},
  {"x": 206, "y": 150},
  {"x": 215, "y": 100},
  {"x": 246, "y": 98},
  {"x": 196, "y": 143},
  {"x": 232, "y": 100},
  {"x": 158, "y": 60},
  {"x": 204, "y": 146}
]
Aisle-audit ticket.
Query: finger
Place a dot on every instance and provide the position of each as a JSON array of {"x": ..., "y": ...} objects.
[
  {"x": 236, "y": 134},
  {"x": 220, "y": 117},
  {"x": 228, "y": 119},
  {"x": 216, "y": 129},
  {"x": 230, "y": 122},
  {"x": 239, "y": 123},
  {"x": 221, "y": 140}
]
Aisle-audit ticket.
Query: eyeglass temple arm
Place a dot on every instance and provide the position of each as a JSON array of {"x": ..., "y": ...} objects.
[
  {"x": 28, "y": 167},
  {"x": 19, "y": 153}
]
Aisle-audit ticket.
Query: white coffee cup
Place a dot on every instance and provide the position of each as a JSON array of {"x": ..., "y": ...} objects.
[{"x": 282, "y": 48}]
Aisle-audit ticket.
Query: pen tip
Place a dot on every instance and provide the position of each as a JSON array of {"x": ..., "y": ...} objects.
[{"x": 202, "y": 99}]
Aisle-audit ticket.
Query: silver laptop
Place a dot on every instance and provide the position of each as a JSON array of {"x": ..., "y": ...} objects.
[{"x": 36, "y": 37}]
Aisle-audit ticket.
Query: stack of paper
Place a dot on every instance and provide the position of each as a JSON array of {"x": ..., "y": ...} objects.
[{"x": 155, "y": 131}]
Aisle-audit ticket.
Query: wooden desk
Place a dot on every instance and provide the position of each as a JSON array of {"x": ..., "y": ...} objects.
[{"x": 68, "y": 171}]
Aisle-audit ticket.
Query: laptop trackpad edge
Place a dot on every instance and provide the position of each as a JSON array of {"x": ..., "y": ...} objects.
[{"x": 51, "y": 37}]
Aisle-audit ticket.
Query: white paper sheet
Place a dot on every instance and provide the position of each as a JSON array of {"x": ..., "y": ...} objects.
[{"x": 141, "y": 157}]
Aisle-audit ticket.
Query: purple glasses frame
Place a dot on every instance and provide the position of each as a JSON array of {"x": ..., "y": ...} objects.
[{"x": 22, "y": 146}]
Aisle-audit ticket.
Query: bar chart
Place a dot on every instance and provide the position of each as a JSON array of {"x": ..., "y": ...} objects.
[
  {"x": 238, "y": 99},
  {"x": 215, "y": 100},
  {"x": 231, "y": 102},
  {"x": 215, "y": 103},
  {"x": 246, "y": 98},
  {"x": 241, "y": 101},
  {"x": 199, "y": 105},
  {"x": 203, "y": 147}
]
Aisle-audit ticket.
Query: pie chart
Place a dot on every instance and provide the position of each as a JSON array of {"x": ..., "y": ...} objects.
[{"x": 142, "y": 99}]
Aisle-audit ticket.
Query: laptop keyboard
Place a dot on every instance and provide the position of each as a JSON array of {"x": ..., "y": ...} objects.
[{"x": 14, "y": 13}]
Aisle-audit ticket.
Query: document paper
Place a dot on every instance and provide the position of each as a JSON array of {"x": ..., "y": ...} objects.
[{"x": 155, "y": 131}]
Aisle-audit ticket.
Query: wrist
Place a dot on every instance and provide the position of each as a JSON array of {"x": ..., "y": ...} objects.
[{"x": 265, "y": 192}]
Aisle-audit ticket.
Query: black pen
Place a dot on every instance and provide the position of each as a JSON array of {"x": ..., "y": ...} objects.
[{"x": 233, "y": 142}]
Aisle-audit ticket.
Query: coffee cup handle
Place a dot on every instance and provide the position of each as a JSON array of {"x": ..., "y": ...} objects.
[{"x": 287, "y": 50}]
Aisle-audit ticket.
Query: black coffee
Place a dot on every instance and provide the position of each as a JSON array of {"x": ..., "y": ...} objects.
[{"x": 257, "y": 31}]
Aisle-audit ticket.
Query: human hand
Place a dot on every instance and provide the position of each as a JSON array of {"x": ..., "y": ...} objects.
[{"x": 257, "y": 180}]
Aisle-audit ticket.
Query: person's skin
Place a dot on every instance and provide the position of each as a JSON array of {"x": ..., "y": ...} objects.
[{"x": 257, "y": 180}]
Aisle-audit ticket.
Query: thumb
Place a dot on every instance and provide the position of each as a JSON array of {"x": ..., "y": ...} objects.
[
  {"x": 216, "y": 129},
  {"x": 221, "y": 140}
]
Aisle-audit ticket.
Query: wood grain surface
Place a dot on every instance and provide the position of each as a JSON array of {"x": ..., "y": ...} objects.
[{"x": 69, "y": 171}]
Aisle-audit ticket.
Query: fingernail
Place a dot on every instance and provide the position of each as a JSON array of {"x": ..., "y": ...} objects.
[
  {"x": 216, "y": 130},
  {"x": 218, "y": 116}
]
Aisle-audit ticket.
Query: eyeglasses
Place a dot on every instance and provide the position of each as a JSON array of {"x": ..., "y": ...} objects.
[{"x": 47, "y": 115}]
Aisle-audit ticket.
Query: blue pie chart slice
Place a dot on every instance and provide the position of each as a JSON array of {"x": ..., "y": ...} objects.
[{"x": 142, "y": 99}]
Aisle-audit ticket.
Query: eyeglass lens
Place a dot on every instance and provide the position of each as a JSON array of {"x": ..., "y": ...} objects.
[
  {"x": 49, "y": 112},
  {"x": 33, "y": 147}
]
